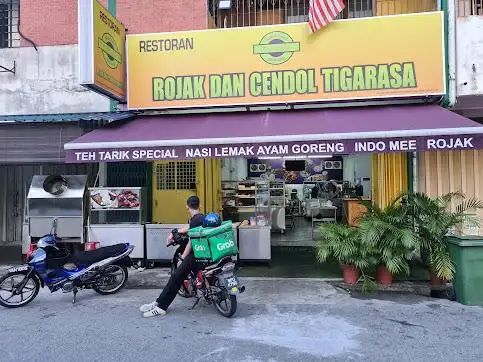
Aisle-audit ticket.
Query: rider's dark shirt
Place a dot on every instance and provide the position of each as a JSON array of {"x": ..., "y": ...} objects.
[{"x": 196, "y": 220}]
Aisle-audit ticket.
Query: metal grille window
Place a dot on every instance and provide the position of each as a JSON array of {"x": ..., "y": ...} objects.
[
  {"x": 9, "y": 15},
  {"x": 176, "y": 176},
  {"x": 394, "y": 7},
  {"x": 357, "y": 9},
  {"x": 469, "y": 7},
  {"x": 240, "y": 13},
  {"x": 166, "y": 176},
  {"x": 269, "y": 12},
  {"x": 186, "y": 176},
  {"x": 298, "y": 10}
]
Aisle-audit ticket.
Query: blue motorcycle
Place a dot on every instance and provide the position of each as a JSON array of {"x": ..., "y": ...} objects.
[{"x": 103, "y": 270}]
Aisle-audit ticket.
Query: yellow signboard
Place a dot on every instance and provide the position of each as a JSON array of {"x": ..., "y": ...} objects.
[
  {"x": 379, "y": 57},
  {"x": 102, "y": 50}
]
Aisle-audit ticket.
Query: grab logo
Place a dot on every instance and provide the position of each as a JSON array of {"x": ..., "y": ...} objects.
[
  {"x": 223, "y": 246},
  {"x": 199, "y": 248}
]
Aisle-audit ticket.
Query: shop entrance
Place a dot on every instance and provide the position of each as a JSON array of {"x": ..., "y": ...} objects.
[
  {"x": 279, "y": 201},
  {"x": 173, "y": 183},
  {"x": 282, "y": 201}
]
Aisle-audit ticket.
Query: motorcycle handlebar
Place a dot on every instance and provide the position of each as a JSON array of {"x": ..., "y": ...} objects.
[{"x": 178, "y": 239}]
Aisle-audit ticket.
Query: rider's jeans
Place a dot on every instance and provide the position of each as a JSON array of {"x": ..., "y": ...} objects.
[{"x": 176, "y": 281}]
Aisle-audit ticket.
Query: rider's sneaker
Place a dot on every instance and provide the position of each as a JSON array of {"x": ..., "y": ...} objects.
[
  {"x": 156, "y": 311},
  {"x": 147, "y": 307}
]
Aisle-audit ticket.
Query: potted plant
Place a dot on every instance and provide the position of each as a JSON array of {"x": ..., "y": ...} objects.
[
  {"x": 389, "y": 232},
  {"x": 434, "y": 218},
  {"x": 343, "y": 243}
]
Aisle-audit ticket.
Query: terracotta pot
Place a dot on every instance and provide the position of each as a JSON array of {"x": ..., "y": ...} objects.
[
  {"x": 351, "y": 274},
  {"x": 435, "y": 280},
  {"x": 383, "y": 276}
]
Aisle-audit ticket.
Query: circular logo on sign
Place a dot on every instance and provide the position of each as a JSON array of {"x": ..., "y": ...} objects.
[
  {"x": 110, "y": 51},
  {"x": 276, "y": 47}
]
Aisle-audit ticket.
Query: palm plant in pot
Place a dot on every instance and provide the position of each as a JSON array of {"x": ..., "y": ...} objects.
[
  {"x": 433, "y": 219},
  {"x": 343, "y": 243},
  {"x": 389, "y": 232}
]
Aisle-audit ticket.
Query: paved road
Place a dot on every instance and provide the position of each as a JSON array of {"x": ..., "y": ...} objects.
[{"x": 277, "y": 321}]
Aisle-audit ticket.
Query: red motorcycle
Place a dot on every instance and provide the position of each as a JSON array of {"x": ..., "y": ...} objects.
[{"x": 215, "y": 282}]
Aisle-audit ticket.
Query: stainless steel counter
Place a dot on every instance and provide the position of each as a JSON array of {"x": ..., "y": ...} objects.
[{"x": 254, "y": 243}]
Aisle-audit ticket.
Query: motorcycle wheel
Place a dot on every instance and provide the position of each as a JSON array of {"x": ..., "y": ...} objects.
[
  {"x": 114, "y": 279},
  {"x": 227, "y": 304},
  {"x": 182, "y": 292},
  {"x": 9, "y": 282}
]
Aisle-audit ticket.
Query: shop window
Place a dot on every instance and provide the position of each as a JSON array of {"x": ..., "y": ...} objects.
[
  {"x": 176, "y": 176},
  {"x": 9, "y": 14}
]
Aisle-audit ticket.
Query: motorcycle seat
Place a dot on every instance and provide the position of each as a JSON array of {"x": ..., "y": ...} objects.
[
  {"x": 91, "y": 257},
  {"x": 219, "y": 263}
]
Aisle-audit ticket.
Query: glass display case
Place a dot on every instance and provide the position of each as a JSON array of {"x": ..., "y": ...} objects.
[
  {"x": 262, "y": 204},
  {"x": 249, "y": 201},
  {"x": 117, "y": 215},
  {"x": 229, "y": 200}
]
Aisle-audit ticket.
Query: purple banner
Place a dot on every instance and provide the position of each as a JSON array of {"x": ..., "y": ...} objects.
[{"x": 312, "y": 148}]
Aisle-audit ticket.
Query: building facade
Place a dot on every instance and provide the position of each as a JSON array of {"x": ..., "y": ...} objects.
[
  {"x": 466, "y": 86},
  {"x": 39, "y": 63},
  {"x": 42, "y": 105}
]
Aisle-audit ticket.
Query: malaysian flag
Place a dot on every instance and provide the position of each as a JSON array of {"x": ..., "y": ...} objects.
[{"x": 323, "y": 12}]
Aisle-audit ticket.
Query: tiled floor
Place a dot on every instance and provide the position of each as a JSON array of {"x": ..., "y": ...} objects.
[{"x": 301, "y": 235}]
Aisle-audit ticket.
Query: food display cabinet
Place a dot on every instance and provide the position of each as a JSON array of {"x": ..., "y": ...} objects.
[{"x": 117, "y": 215}]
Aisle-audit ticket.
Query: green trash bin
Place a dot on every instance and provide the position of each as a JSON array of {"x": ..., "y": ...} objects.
[{"x": 467, "y": 255}]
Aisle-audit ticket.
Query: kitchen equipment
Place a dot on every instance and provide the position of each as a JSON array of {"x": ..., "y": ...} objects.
[{"x": 59, "y": 198}]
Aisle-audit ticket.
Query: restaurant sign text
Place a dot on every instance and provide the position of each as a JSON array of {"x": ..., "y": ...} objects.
[
  {"x": 379, "y": 57},
  {"x": 102, "y": 50},
  {"x": 416, "y": 144}
]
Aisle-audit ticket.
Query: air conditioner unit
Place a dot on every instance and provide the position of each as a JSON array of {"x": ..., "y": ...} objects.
[
  {"x": 333, "y": 165},
  {"x": 337, "y": 165},
  {"x": 258, "y": 167}
]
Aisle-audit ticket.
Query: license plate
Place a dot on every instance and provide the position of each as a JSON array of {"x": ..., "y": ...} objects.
[
  {"x": 231, "y": 282},
  {"x": 16, "y": 269}
]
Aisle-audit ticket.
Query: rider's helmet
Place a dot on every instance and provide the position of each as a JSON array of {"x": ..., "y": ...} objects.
[
  {"x": 46, "y": 241},
  {"x": 212, "y": 220}
]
